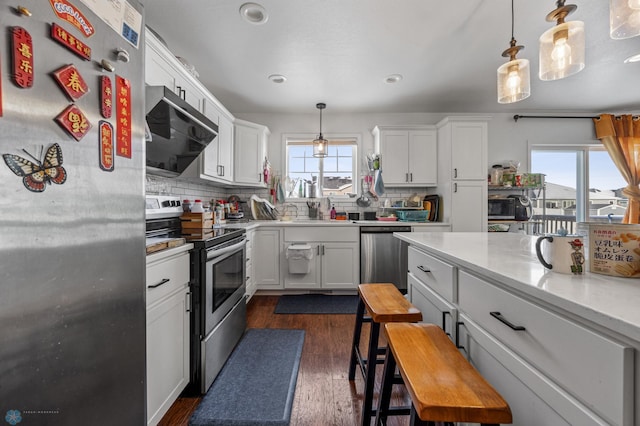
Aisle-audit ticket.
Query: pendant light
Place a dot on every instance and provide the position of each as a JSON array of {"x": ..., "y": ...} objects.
[
  {"x": 624, "y": 18},
  {"x": 562, "y": 47},
  {"x": 320, "y": 145},
  {"x": 514, "y": 80}
]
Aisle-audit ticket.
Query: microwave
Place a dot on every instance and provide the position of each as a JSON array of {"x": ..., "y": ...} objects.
[{"x": 513, "y": 207}]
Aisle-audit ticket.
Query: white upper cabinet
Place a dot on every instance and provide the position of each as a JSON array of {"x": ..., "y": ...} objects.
[
  {"x": 250, "y": 151},
  {"x": 408, "y": 154}
]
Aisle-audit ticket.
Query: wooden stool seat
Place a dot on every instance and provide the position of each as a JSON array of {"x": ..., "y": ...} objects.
[
  {"x": 442, "y": 384},
  {"x": 384, "y": 303}
]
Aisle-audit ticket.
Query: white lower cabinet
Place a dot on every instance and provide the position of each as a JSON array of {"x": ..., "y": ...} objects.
[
  {"x": 168, "y": 305},
  {"x": 435, "y": 310},
  {"x": 469, "y": 206},
  {"x": 335, "y": 262},
  {"x": 266, "y": 258},
  {"x": 250, "y": 280}
]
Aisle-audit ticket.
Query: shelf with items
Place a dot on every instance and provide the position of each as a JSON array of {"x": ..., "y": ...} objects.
[{"x": 535, "y": 194}]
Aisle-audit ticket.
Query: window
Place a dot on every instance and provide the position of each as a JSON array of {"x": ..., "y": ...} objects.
[
  {"x": 334, "y": 175},
  {"x": 582, "y": 184}
]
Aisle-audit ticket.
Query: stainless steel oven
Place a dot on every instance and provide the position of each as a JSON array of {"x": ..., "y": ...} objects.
[{"x": 219, "y": 311}]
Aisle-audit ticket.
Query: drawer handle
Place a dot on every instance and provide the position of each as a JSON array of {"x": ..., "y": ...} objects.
[
  {"x": 164, "y": 281},
  {"x": 444, "y": 322},
  {"x": 423, "y": 269},
  {"x": 499, "y": 317},
  {"x": 188, "y": 301},
  {"x": 458, "y": 345}
]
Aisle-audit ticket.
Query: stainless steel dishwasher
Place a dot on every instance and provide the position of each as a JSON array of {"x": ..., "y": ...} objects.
[{"x": 383, "y": 258}]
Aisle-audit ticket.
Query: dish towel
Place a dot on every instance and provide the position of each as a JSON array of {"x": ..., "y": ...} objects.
[{"x": 379, "y": 184}]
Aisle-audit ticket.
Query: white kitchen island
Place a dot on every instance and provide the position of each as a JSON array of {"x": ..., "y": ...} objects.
[{"x": 561, "y": 349}]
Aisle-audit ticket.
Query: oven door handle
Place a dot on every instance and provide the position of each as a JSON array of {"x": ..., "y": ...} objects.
[{"x": 212, "y": 254}]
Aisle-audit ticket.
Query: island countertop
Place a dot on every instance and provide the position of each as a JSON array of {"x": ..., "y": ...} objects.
[{"x": 510, "y": 260}]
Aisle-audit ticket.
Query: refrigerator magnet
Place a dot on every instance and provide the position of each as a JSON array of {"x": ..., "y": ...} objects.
[
  {"x": 106, "y": 96},
  {"x": 69, "y": 41},
  {"x": 106, "y": 146},
  {"x": 71, "y": 82},
  {"x": 73, "y": 120},
  {"x": 22, "y": 57},
  {"x": 36, "y": 176},
  {"x": 67, "y": 12},
  {"x": 123, "y": 117}
]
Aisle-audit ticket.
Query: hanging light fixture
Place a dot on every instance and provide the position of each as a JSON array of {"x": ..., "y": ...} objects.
[
  {"x": 562, "y": 47},
  {"x": 624, "y": 18},
  {"x": 514, "y": 80},
  {"x": 320, "y": 145}
]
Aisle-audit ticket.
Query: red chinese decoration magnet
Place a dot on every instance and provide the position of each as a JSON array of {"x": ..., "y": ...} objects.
[
  {"x": 106, "y": 96},
  {"x": 69, "y": 13},
  {"x": 106, "y": 146},
  {"x": 70, "y": 80},
  {"x": 22, "y": 56},
  {"x": 123, "y": 117},
  {"x": 69, "y": 41},
  {"x": 73, "y": 120}
]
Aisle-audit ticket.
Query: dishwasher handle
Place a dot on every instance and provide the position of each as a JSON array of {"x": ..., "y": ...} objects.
[{"x": 383, "y": 229}]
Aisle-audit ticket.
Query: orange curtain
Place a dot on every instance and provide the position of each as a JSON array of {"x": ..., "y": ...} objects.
[{"x": 621, "y": 137}]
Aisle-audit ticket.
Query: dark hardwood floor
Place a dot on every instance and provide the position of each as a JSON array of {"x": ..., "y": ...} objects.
[{"x": 324, "y": 396}]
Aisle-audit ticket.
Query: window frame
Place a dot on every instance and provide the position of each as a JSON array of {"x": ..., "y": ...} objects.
[
  {"x": 582, "y": 170},
  {"x": 293, "y": 138}
]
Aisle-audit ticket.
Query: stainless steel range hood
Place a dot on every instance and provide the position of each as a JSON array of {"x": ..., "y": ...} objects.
[{"x": 179, "y": 132}]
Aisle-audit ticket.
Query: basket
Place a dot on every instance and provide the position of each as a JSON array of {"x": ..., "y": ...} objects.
[{"x": 413, "y": 215}]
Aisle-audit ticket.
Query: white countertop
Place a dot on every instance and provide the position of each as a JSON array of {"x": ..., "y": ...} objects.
[
  {"x": 510, "y": 259},
  {"x": 316, "y": 222}
]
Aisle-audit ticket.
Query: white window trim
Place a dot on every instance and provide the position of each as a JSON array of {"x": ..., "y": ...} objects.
[{"x": 300, "y": 137}]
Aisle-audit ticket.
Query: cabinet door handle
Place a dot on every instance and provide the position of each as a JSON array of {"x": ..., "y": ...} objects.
[
  {"x": 164, "y": 281},
  {"x": 410, "y": 177},
  {"x": 455, "y": 187},
  {"x": 455, "y": 173},
  {"x": 188, "y": 301},
  {"x": 444, "y": 322},
  {"x": 406, "y": 177},
  {"x": 423, "y": 269},
  {"x": 318, "y": 250},
  {"x": 499, "y": 317},
  {"x": 259, "y": 177},
  {"x": 458, "y": 345},
  {"x": 323, "y": 250}
]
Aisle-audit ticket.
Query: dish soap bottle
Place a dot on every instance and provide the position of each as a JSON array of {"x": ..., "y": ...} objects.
[{"x": 333, "y": 212}]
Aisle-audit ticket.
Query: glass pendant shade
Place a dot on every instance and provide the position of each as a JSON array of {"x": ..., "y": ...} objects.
[
  {"x": 514, "y": 81},
  {"x": 320, "y": 147},
  {"x": 624, "y": 18},
  {"x": 562, "y": 51}
]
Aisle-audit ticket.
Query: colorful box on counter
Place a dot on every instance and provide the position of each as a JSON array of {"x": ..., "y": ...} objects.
[{"x": 612, "y": 249}]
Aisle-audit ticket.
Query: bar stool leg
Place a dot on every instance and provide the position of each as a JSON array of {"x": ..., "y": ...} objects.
[
  {"x": 356, "y": 340},
  {"x": 371, "y": 374},
  {"x": 385, "y": 389}
]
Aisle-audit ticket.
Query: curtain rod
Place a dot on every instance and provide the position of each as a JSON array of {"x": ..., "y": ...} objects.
[{"x": 517, "y": 117}]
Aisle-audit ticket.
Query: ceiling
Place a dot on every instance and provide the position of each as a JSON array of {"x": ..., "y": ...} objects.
[{"x": 340, "y": 51}]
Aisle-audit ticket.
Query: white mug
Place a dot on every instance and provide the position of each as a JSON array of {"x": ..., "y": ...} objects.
[{"x": 565, "y": 254}]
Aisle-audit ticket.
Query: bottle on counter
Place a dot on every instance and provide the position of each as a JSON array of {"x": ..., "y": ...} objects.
[
  {"x": 197, "y": 207},
  {"x": 186, "y": 206},
  {"x": 333, "y": 212}
]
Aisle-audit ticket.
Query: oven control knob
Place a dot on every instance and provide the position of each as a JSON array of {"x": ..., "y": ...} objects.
[{"x": 166, "y": 203}]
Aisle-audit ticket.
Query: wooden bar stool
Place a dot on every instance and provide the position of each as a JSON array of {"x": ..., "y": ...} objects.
[
  {"x": 384, "y": 303},
  {"x": 443, "y": 385}
]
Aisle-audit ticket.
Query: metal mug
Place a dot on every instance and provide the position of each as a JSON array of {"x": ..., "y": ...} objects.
[{"x": 565, "y": 254}]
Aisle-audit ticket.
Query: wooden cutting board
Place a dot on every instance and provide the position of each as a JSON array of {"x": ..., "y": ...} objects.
[{"x": 164, "y": 243}]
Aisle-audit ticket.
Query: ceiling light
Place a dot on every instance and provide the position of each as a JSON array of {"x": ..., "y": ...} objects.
[
  {"x": 514, "y": 80},
  {"x": 633, "y": 58},
  {"x": 562, "y": 47},
  {"x": 624, "y": 18},
  {"x": 253, "y": 13},
  {"x": 277, "y": 78},
  {"x": 393, "y": 78},
  {"x": 320, "y": 145}
]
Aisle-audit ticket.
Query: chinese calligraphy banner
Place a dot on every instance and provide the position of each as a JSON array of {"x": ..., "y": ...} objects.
[
  {"x": 22, "y": 55},
  {"x": 123, "y": 117}
]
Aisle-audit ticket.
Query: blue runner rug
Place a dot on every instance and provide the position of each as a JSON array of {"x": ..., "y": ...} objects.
[
  {"x": 317, "y": 304},
  {"x": 257, "y": 383}
]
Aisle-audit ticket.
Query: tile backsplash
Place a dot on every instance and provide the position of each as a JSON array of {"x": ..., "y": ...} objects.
[{"x": 293, "y": 207}]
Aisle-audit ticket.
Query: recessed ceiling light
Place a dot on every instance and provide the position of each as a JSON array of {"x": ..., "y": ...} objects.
[
  {"x": 277, "y": 78},
  {"x": 393, "y": 78},
  {"x": 253, "y": 13},
  {"x": 633, "y": 58}
]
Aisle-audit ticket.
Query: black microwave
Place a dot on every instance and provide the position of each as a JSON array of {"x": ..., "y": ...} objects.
[{"x": 513, "y": 207}]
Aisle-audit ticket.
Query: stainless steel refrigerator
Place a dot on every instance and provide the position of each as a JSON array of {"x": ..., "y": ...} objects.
[{"x": 72, "y": 252}]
